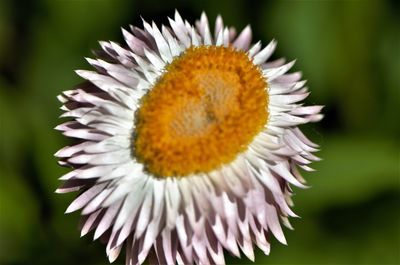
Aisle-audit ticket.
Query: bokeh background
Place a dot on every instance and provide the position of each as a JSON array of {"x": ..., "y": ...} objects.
[{"x": 349, "y": 51}]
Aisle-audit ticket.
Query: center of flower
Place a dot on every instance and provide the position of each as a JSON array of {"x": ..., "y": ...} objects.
[{"x": 202, "y": 112}]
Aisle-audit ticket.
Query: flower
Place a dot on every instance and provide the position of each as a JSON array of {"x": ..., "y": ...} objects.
[{"x": 187, "y": 143}]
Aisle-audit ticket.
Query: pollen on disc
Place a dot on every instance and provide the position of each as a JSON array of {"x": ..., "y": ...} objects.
[{"x": 202, "y": 112}]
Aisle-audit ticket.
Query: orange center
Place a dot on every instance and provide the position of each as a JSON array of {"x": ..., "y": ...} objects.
[{"x": 202, "y": 112}]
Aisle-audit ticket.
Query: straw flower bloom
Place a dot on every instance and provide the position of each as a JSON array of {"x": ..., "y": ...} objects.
[{"x": 186, "y": 143}]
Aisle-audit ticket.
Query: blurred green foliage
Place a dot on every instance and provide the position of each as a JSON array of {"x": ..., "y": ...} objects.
[{"x": 348, "y": 50}]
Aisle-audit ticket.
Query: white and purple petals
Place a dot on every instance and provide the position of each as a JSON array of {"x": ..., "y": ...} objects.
[{"x": 195, "y": 218}]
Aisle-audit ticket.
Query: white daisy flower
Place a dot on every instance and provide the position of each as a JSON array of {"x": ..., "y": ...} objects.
[{"x": 187, "y": 143}]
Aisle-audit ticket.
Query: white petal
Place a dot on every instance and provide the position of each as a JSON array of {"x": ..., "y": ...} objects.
[
  {"x": 114, "y": 253},
  {"x": 274, "y": 224},
  {"x": 92, "y": 135},
  {"x": 70, "y": 150},
  {"x": 85, "y": 197},
  {"x": 180, "y": 31},
  {"x": 129, "y": 212},
  {"x": 144, "y": 215},
  {"x": 136, "y": 45},
  {"x": 254, "y": 49},
  {"x": 283, "y": 171},
  {"x": 95, "y": 203},
  {"x": 205, "y": 29},
  {"x": 287, "y": 99},
  {"x": 272, "y": 73},
  {"x": 162, "y": 44},
  {"x": 226, "y": 37},
  {"x": 172, "y": 202},
  {"x": 243, "y": 41},
  {"x": 88, "y": 225},
  {"x": 219, "y": 26},
  {"x": 107, "y": 220},
  {"x": 174, "y": 46},
  {"x": 195, "y": 38},
  {"x": 265, "y": 53},
  {"x": 124, "y": 186},
  {"x": 154, "y": 59},
  {"x": 219, "y": 38},
  {"x": 109, "y": 158}
]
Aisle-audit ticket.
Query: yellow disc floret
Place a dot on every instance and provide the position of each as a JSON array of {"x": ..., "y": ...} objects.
[{"x": 201, "y": 113}]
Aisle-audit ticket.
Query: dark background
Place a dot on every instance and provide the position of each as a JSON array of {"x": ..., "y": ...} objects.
[{"x": 348, "y": 50}]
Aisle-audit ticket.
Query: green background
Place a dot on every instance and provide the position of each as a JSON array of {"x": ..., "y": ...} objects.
[{"x": 349, "y": 51}]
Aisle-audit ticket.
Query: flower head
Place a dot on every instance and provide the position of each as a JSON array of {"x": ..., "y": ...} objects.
[{"x": 186, "y": 143}]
